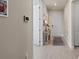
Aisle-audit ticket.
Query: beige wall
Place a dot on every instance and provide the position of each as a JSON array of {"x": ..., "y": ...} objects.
[
  {"x": 15, "y": 35},
  {"x": 45, "y": 11}
]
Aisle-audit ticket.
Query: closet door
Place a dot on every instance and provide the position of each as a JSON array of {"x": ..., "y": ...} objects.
[{"x": 75, "y": 19}]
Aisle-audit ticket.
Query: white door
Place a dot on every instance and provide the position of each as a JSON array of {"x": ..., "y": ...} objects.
[
  {"x": 75, "y": 18},
  {"x": 36, "y": 40}
]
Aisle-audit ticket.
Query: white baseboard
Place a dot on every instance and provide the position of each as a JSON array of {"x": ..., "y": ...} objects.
[{"x": 70, "y": 45}]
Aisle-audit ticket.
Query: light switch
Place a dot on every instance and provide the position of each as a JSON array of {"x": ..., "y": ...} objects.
[{"x": 26, "y": 19}]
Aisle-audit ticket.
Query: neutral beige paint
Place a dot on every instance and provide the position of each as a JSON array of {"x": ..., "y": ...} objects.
[
  {"x": 15, "y": 35},
  {"x": 45, "y": 11}
]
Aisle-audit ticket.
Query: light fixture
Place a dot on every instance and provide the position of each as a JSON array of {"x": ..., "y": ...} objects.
[
  {"x": 55, "y": 4},
  {"x": 46, "y": 22}
]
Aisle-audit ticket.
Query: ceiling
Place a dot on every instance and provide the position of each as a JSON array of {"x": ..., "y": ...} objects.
[{"x": 55, "y": 4}]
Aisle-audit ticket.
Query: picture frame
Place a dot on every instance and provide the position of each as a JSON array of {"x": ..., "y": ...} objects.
[{"x": 4, "y": 8}]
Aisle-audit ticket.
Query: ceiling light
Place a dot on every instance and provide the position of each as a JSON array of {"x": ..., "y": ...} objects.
[{"x": 55, "y": 4}]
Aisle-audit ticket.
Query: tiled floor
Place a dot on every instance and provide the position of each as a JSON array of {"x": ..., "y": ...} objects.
[{"x": 55, "y": 52}]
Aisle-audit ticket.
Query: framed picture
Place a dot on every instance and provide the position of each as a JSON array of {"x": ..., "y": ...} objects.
[{"x": 4, "y": 8}]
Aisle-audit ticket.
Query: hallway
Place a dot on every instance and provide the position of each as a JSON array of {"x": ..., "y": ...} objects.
[
  {"x": 56, "y": 20},
  {"x": 55, "y": 52}
]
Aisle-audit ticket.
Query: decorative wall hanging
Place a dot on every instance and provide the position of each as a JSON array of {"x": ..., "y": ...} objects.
[{"x": 4, "y": 8}]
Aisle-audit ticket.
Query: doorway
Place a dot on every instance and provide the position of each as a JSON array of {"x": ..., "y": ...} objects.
[{"x": 53, "y": 30}]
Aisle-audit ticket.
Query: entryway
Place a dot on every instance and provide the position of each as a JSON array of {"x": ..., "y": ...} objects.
[{"x": 53, "y": 32}]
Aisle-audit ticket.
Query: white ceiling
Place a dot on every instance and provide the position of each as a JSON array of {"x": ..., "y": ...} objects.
[{"x": 60, "y": 4}]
